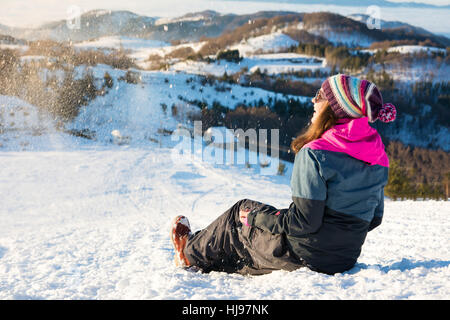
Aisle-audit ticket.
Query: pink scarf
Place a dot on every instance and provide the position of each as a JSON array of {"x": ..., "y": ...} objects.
[{"x": 354, "y": 137}]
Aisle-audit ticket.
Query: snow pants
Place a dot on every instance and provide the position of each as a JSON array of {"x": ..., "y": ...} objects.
[{"x": 229, "y": 246}]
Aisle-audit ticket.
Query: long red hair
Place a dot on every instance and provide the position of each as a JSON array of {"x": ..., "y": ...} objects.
[{"x": 325, "y": 120}]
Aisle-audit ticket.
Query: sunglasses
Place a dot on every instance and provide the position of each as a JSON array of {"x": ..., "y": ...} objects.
[{"x": 319, "y": 96}]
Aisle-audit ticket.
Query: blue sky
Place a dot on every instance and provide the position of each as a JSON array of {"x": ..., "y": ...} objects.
[{"x": 35, "y": 12}]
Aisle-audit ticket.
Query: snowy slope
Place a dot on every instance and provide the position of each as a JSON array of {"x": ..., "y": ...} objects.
[
  {"x": 271, "y": 63},
  {"x": 419, "y": 70},
  {"x": 198, "y": 16},
  {"x": 136, "y": 110},
  {"x": 136, "y": 48},
  {"x": 267, "y": 43},
  {"x": 24, "y": 127},
  {"x": 117, "y": 42},
  {"x": 339, "y": 37},
  {"x": 93, "y": 223},
  {"x": 415, "y": 49}
]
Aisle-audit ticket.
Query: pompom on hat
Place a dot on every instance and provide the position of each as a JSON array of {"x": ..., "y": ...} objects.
[{"x": 350, "y": 97}]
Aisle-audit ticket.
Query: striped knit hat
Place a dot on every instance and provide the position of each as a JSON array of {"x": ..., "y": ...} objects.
[{"x": 350, "y": 97}]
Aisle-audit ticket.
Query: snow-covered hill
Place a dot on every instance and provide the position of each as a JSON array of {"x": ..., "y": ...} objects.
[
  {"x": 140, "y": 110},
  {"x": 276, "y": 64},
  {"x": 340, "y": 37},
  {"x": 265, "y": 43},
  {"x": 197, "y": 16}
]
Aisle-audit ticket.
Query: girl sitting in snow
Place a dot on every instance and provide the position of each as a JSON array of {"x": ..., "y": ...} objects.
[{"x": 338, "y": 179}]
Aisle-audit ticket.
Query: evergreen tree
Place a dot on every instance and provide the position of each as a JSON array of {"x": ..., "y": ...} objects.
[
  {"x": 398, "y": 183},
  {"x": 446, "y": 183}
]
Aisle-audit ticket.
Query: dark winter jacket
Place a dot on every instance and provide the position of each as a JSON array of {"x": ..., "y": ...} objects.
[{"x": 337, "y": 191}]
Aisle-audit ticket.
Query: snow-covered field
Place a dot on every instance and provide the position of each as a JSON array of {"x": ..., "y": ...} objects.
[
  {"x": 92, "y": 222},
  {"x": 271, "y": 63},
  {"x": 431, "y": 71},
  {"x": 415, "y": 49},
  {"x": 117, "y": 42},
  {"x": 268, "y": 42}
]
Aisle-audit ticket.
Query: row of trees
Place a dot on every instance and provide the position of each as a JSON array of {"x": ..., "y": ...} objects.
[
  {"x": 392, "y": 43},
  {"x": 338, "y": 57},
  {"x": 417, "y": 172},
  {"x": 402, "y": 184}
]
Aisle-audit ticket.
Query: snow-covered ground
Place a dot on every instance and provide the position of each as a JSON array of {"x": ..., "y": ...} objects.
[
  {"x": 341, "y": 37},
  {"x": 271, "y": 63},
  {"x": 19, "y": 47},
  {"x": 84, "y": 219},
  {"x": 267, "y": 43},
  {"x": 92, "y": 222},
  {"x": 421, "y": 70},
  {"x": 117, "y": 42},
  {"x": 137, "y": 49},
  {"x": 416, "y": 49}
]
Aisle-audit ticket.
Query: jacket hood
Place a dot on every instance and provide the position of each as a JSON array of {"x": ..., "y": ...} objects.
[{"x": 354, "y": 137}]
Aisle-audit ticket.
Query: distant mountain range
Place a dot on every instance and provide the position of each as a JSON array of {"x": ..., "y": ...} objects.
[
  {"x": 93, "y": 24},
  {"x": 193, "y": 26},
  {"x": 356, "y": 3}
]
